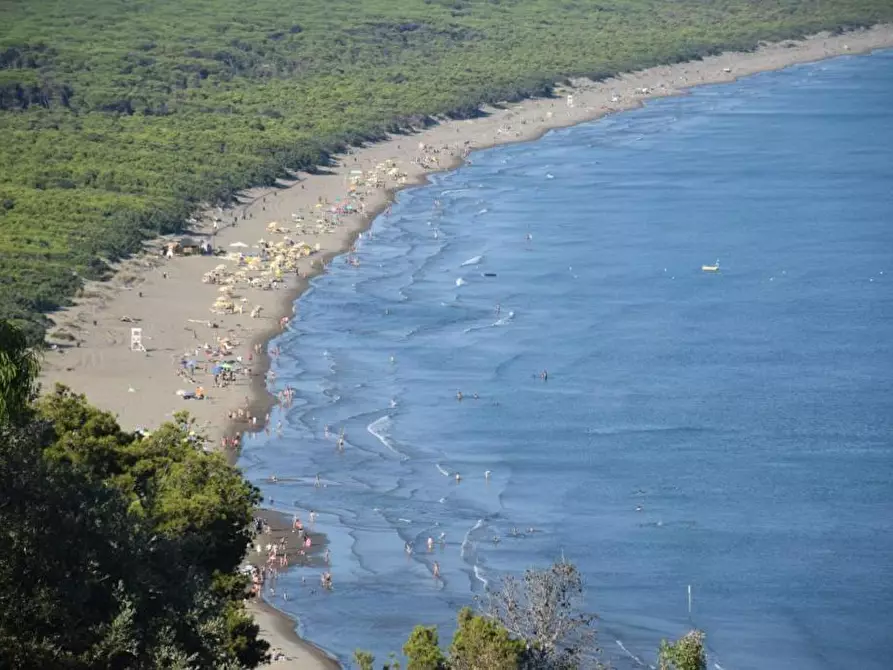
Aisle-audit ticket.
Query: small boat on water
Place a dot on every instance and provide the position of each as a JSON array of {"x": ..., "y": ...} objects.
[{"x": 711, "y": 268}]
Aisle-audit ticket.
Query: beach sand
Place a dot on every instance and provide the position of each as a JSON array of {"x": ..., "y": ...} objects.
[
  {"x": 288, "y": 651},
  {"x": 169, "y": 301}
]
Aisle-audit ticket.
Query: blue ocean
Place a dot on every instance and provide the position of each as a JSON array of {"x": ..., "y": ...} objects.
[{"x": 727, "y": 430}]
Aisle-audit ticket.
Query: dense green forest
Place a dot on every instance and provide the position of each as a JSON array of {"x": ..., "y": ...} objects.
[
  {"x": 120, "y": 550},
  {"x": 118, "y": 117}
]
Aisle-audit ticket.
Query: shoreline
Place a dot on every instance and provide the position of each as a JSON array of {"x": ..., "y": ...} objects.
[
  {"x": 288, "y": 650},
  {"x": 166, "y": 297}
]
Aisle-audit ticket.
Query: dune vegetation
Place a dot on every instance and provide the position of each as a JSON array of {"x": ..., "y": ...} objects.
[{"x": 119, "y": 119}]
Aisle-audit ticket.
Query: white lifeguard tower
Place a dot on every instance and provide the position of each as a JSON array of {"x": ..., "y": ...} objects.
[{"x": 136, "y": 340}]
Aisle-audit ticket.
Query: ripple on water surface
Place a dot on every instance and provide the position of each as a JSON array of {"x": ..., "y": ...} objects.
[{"x": 731, "y": 431}]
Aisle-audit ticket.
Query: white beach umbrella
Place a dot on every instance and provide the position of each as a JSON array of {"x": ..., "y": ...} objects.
[{"x": 240, "y": 245}]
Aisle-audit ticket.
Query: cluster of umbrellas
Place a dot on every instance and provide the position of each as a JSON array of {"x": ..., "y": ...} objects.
[
  {"x": 377, "y": 177},
  {"x": 225, "y": 366},
  {"x": 261, "y": 271},
  {"x": 266, "y": 269}
]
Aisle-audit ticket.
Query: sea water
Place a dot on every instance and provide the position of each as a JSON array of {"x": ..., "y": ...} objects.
[{"x": 729, "y": 430}]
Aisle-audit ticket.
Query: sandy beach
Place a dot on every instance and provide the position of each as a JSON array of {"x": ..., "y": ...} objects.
[
  {"x": 287, "y": 650},
  {"x": 197, "y": 312}
]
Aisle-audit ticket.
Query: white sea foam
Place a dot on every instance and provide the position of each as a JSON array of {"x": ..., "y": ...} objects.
[
  {"x": 381, "y": 430},
  {"x": 460, "y": 282},
  {"x": 466, "y": 541},
  {"x": 479, "y": 575},
  {"x": 500, "y": 322},
  {"x": 629, "y": 653},
  {"x": 473, "y": 261},
  {"x": 504, "y": 320},
  {"x": 441, "y": 470}
]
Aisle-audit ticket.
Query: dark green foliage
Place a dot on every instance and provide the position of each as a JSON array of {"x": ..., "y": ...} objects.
[
  {"x": 119, "y": 118},
  {"x": 480, "y": 643},
  {"x": 85, "y": 584},
  {"x": 421, "y": 650},
  {"x": 687, "y": 653},
  {"x": 18, "y": 372},
  {"x": 194, "y": 496},
  {"x": 119, "y": 551},
  {"x": 363, "y": 659}
]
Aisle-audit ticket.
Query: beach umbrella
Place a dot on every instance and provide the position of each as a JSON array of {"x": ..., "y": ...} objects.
[
  {"x": 221, "y": 267},
  {"x": 217, "y": 369},
  {"x": 239, "y": 245}
]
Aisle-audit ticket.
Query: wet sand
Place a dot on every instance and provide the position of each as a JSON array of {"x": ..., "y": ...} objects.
[
  {"x": 287, "y": 650},
  {"x": 169, "y": 301}
]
